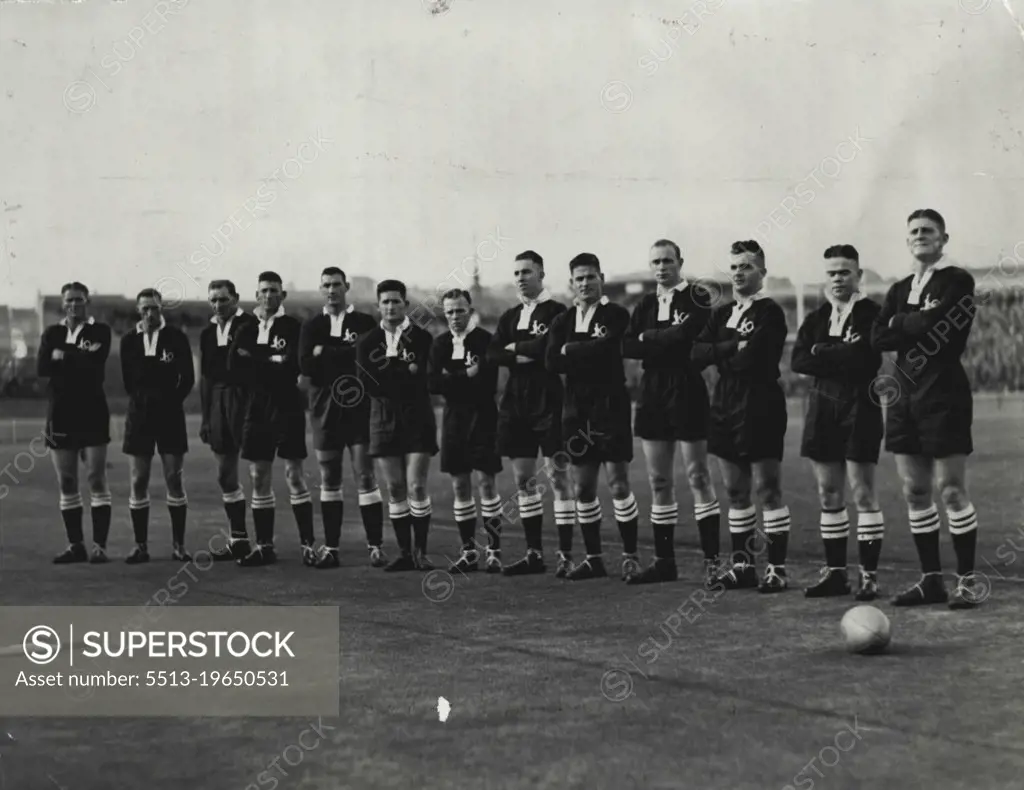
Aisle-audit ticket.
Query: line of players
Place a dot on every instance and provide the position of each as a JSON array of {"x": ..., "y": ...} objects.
[{"x": 369, "y": 392}]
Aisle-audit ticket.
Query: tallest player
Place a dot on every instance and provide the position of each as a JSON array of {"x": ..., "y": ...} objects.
[
  {"x": 926, "y": 319},
  {"x": 673, "y": 407},
  {"x": 73, "y": 356}
]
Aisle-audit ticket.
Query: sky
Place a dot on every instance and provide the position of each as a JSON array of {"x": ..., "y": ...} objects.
[{"x": 166, "y": 143}]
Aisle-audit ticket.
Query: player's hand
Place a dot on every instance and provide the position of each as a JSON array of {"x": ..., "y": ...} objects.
[
  {"x": 413, "y": 368},
  {"x": 318, "y": 350},
  {"x": 816, "y": 348},
  {"x": 277, "y": 359},
  {"x": 511, "y": 347},
  {"x": 741, "y": 345},
  {"x": 523, "y": 360},
  {"x": 890, "y": 321},
  {"x": 57, "y": 354},
  {"x": 242, "y": 352},
  {"x": 204, "y": 433},
  {"x": 563, "y": 349},
  {"x": 472, "y": 370},
  {"x": 641, "y": 337}
]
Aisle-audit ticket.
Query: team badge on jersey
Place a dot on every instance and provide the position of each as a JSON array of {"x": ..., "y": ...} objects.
[
  {"x": 599, "y": 331},
  {"x": 407, "y": 356},
  {"x": 350, "y": 336},
  {"x": 930, "y": 304},
  {"x": 85, "y": 345},
  {"x": 278, "y": 343},
  {"x": 471, "y": 359},
  {"x": 678, "y": 317},
  {"x": 167, "y": 356},
  {"x": 851, "y": 336},
  {"x": 538, "y": 329},
  {"x": 746, "y": 327}
]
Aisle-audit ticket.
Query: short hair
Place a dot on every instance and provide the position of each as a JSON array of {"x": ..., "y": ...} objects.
[
  {"x": 217, "y": 284},
  {"x": 391, "y": 285},
  {"x": 74, "y": 286},
  {"x": 751, "y": 246},
  {"x": 457, "y": 293},
  {"x": 847, "y": 251},
  {"x": 585, "y": 259},
  {"x": 928, "y": 213},
  {"x": 270, "y": 277},
  {"x": 150, "y": 293},
  {"x": 669, "y": 243},
  {"x": 331, "y": 271},
  {"x": 530, "y": 255}
]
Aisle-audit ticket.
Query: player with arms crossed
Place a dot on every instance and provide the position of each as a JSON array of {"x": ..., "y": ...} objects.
[
  {"x": 585, "y": 343},
  {"x": 158, "y": 372},
  {"x": 926, "y": 318},
  {"x": 530, "y": 414},
  {"x": 392, "y": 361},
  {"x": 265, "y": 354},
  {"x": 73, "y": 356},
  {"x": 843, "y": 427},
  {"x": 745, "y": 341},
  {"x": 460, "y": 372},
  {"x": 223, "y": 397},
  {"x": 673, "y": 407},
  {"x": 340, "y": 413}
]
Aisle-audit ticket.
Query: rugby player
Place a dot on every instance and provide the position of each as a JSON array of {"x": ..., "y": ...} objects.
[
  {"x": 340, "y": 414},
  {"x": 530, "y": 414},
  {"x": 460, "y": 372},
  {"x": 265, "y": 354},
  {"x": 745, "y": 341},
  {"x": 843, "y": 427},
  {"x": 673, "y": 407},
  {"x": 926, "y": 318},
  {"x": 158, "y": 373},
  {"x": 223, "y": 396},
  {"x": 585, "y": 343},
  {"x": 392, "y": 364},
  {"x": 73, "y": 356}
]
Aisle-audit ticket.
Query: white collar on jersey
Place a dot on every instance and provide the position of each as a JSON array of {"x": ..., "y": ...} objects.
[
  {"x": 72, "y": 335},
  {"x": 741, "y": 306},
  {"x": 668, "y": 293},
  {"x": 222, "y": 331},
  {"x": 840, "y": 312},
  {"x": 149, "y": 341},
  {"x": 263, "y": 333},
  {"x": 584, "y": 314},
  {"x": 337, "y": 321},
  {"x": 665, "y": 296},
  {"x": 459, "y": 338},
  {"x": 529, "y": 305},
  {"x": 919, "y": 281},
  {"x": 391, "y": 338}
]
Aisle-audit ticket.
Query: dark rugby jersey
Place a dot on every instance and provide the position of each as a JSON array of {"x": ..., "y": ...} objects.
[
  {"x": 215, "y": 347},
  {"x": 930, "y": 325},
  {"x": 745, "y": 373},
  {"x": 338, "y": 336},
  {"x": 457, "y": 388},
  {"x": 531, "y": 390},
  {"x": 592, "y": 362},
  {"x": 844, "y": 369},
  {"x": 668, "y": 331},
  {"x": 389, "y": 377},
  {"x": 272, "y": 366},
  {"x": 157, "y": 364},
  {"x": 82, "y": 370}
]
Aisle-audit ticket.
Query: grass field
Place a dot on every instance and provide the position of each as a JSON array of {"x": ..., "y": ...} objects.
[{"x": 555, "y": 685}]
